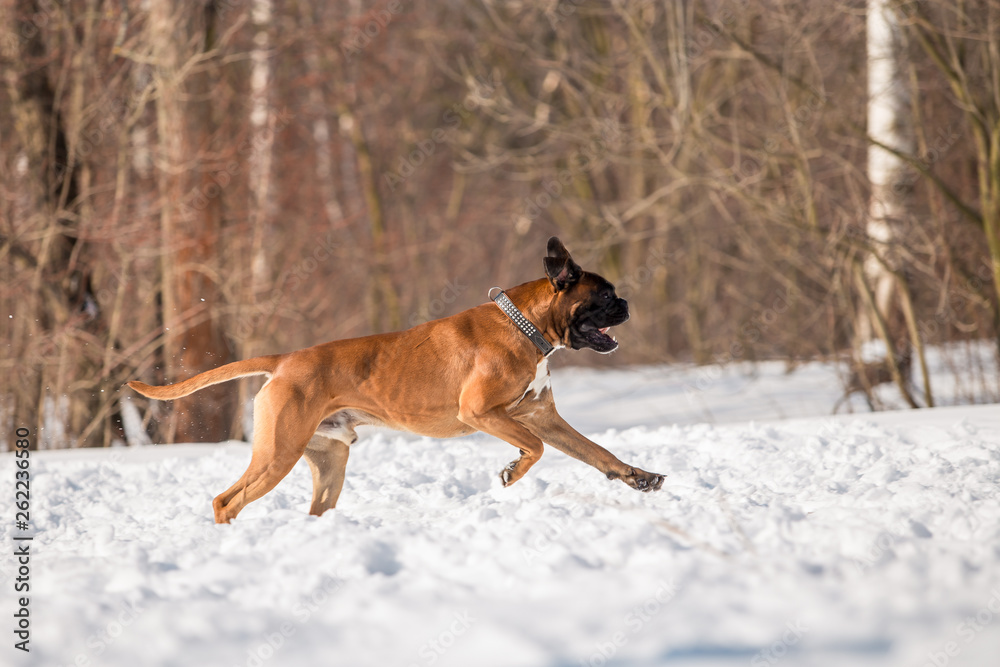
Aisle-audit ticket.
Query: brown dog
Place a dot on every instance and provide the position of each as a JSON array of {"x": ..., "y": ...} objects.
[{"x": 474, "y": 371}]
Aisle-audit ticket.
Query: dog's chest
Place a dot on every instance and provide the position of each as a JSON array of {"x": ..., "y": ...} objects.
[{"x": 541, "y": 380}]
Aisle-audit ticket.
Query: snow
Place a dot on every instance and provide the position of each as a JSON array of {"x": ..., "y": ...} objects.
[{"x": 782, "y": 535}]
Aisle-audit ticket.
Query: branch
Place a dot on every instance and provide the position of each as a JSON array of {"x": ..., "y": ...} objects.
[{"x": 968, "y": 212}]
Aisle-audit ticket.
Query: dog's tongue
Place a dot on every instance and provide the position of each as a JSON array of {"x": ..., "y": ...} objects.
[{"x": 604, "y": 330}]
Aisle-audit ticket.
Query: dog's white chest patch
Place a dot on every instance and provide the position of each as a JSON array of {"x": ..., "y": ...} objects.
[{"x": 541, "y": 380}]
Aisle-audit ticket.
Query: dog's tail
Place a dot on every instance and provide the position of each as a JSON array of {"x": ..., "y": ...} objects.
[{"x": 255, "y": 366}]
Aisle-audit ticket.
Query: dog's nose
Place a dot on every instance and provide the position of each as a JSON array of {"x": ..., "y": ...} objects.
[{"x": 623, "y": 306}]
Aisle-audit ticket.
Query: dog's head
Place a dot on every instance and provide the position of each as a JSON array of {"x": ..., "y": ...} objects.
[{"x": 585, "y": 301}]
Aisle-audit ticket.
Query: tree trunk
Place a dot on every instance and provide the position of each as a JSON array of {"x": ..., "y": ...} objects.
[
  {"x": 262, "y": 139},
  {"x": 189, "y": 222},
  {"x": 321, "y": 124},
  {"x": 888, "y": 125}
]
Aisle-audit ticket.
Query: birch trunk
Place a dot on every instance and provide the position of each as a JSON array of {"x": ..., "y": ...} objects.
[
  {"x": 321, "y": 125},
  {"x": 888, "y": 124},
  {"x": 262, "y": 129},
  {"x": 261, "y": 204}
]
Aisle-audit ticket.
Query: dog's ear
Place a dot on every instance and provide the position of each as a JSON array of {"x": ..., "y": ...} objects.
[{"x": 560, "y": 268}]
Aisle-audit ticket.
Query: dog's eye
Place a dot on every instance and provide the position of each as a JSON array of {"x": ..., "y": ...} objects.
[{"x": 606, "y": 295}]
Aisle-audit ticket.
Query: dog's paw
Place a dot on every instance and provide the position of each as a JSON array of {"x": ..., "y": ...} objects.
[
  {"x": 641, "y": 480},
  {"x": 648, "y": 482},
  {"x": 507, "y": 474}
]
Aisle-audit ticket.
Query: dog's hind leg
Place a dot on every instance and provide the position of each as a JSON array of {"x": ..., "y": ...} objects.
[
  {"x": 280, "y": 413},
  {"x": 327, "y": 454},
  {"x": 327, "y": 459}
]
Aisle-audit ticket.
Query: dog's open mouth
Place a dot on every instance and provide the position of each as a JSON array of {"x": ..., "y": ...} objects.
[
  {"x": 609, "y": 337},
  {"x": 598, "y": 338},
  {"x": 593, "y": 329}
]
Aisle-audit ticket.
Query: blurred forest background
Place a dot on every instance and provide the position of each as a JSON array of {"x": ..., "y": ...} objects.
[{"x": 188, "y": 183}]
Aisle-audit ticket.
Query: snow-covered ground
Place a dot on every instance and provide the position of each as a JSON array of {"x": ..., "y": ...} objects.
[{"x": 796, "y": 538}]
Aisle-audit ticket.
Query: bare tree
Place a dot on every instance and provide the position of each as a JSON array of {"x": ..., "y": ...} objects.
[
  {"x": 182, "y": 43},
  {"x": 891, "y": 130},
  {"x": 184, "y": 184}
]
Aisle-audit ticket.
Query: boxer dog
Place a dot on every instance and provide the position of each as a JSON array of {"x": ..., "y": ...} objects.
[{"x": 474, "y": 371}]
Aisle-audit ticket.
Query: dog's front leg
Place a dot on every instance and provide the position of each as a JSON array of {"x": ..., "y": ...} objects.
[
  {"x": 546, "y": 424},
  {"x": 498, "y": 423}
]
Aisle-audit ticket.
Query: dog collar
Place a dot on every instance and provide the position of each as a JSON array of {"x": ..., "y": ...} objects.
[{"x": 520, "y": 321}]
